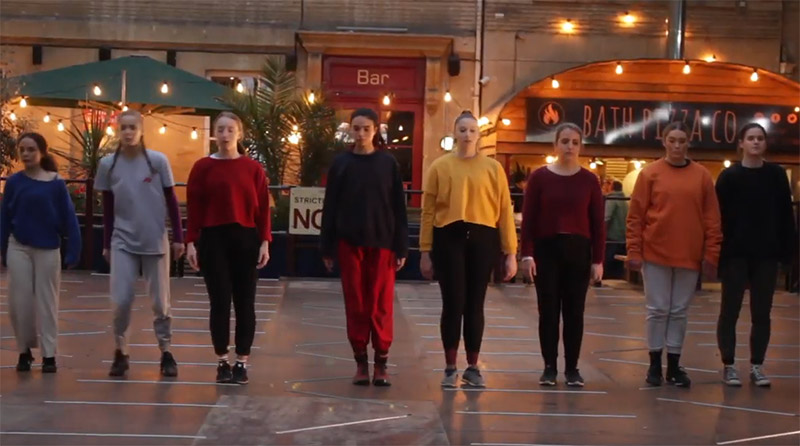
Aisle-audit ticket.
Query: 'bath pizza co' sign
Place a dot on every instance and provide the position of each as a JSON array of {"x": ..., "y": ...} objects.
[{"x": 305, "y": 210}]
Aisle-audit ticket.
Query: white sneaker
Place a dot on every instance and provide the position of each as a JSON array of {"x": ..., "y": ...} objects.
[
  {"x": 730, "y": 376},
  {"x": 758, "y": 377},
  {"x": 450, "y": 380}
]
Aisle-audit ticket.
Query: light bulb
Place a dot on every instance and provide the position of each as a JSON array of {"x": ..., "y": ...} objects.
[
  {"x": 165, "y": 88},
  {"x": 387, "y": 100},
  {"x": 399, "y": 128},
  {"x": 550, "y": 159},
  {"x": 295, "y": 128},
  {"x": 46, "y": 118},
  {"x": 60, "y": 126},
  {"x": 194, "y": 133},
  {"x": 240, "y": 87},
  {"x": 628, "y": 18},
  {"x": 754, "y": 76},
  {"x": 637, "y": 165},
  {"x": 483, "y": 121},
  {"x": 294, "y": 138},
  {"x": 554, "y": 83},
  {"x": 618, "y": 70},
  {"x": 593, "y": 165},
  {"x": 23, "y": 103},
  {"x": 124, "y": 108},
  {"x": 311, "y": 97},
  {"x": 163, "y": 129},
  {"x": 506, "y": 122},
  {"x": 110, "y": 131},
  {"x": 447, "y": 96},
  {"x": 711, "y": 58},
  {"x": 797, "y": 109},
  {"x": 686, "y": 68},
  {"x": 12, "y": 116},
  {"x": 96, "y": 90},
  {"x": 567, "y": 26},
  {"x": 726, "y": 163}
]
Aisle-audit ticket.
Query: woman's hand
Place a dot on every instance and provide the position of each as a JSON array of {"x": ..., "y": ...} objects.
[
  {"x": 263, "y": 255},
  {"x": 191, "y": 256},
  {"x": 328, "y": 263},
  {"x": 426, "y": 266},
  {"x": 597, "y": 272},
  {"x": 400, "y": 263},
  {"x": 510, "y": 267},
  {"x": 528, "y": 268}
]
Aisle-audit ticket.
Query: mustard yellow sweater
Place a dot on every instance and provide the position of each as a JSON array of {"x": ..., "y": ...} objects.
[{"x": 473, "y": 190}]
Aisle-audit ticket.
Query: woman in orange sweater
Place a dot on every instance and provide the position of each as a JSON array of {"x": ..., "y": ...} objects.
[{"x": 673, "y": 233}]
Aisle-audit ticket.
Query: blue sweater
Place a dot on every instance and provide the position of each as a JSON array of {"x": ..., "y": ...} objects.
[{"x": 38, "y": 214}]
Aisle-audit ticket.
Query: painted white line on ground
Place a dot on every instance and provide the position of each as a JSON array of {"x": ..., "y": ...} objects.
[
  {"x": 773, "y": 359},
  {"x": 347, "y": 398},
  {"x": 134, "y": 381},
  {"x": 722, "y": 406},
  {"x": 438, "y": 352},
  {"x": 98, "y": 434},
  {"x": 321, "y": 343},
  {"x": 87, "y": 310},
  {"x": 763, "y": 437},
  {"x": 184, "y": 345},
  {"x": 314, "y": 380},
  {"x": 714, "y": 344},
  {"x": 489, "y": 338},
  {"x": 200, "y": 318},
  {"x": 74, "y": 333},
  {"x": 622, "y": 361},
  {"x": 338, "y": 358},
  {"x": 588, "y": 392},
  {"x": 606, "y": 335},
  {"x": 198, "y": 364},
  {"x": 72, "y": 281},
  {"x": 500, "y": 371},
  {"x": 193, "y": 330},
  {"x": 122, "y": 403},
  {"x": 602, "y": 318},
  {"x": 545, "y": 414},
  {"x": 324, "y": 325},
  {"x": 350, "y": 423}
]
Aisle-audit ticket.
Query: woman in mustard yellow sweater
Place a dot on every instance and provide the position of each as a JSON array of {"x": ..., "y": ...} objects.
[{"x": 467, "y": 218}]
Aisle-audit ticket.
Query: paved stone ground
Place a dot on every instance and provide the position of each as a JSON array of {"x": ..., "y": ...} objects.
[{"x": 299, "y": 391}]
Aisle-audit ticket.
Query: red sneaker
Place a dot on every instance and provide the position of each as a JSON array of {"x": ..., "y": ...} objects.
[
  {"x": 361, "y": 377},
  {"x": 380, "y": 376}
]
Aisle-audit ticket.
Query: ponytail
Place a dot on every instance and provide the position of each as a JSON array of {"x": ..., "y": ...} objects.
[{"x": 48, "y": 163}]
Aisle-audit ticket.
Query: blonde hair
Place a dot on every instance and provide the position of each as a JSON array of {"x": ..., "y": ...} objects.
[
  {"x": 235, "y": 118},
  {"x": 140, "y": 119}
]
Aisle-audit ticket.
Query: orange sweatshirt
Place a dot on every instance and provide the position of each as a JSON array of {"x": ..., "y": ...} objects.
[{"x": 673, "y": 218}]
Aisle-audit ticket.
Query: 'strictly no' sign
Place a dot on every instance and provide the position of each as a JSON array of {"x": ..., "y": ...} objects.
[{"x": 305, "y": 210}]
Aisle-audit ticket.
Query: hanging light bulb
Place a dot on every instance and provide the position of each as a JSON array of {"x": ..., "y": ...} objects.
[
  {"x": 124, "y": 108},
  {"x": 483, "y": 121},
  {"x": 46, "y": 118},
  {"x": 386, "y": 99},
  {"x": 686, "y": 68},
  {"x": 239, "y": 87},
  {"x": 618, "y": 70},
  {"x": 312, "y": 97},
  {"x": 110, "y": 131},
  {"x": 163, "y": 129},
  {"x": 628, "y": 18},
  {"x": 711, "y": 58},
  {"x": 637, "y": 164},
  {"x": 60, "y": 126},
  {"x": 550, "y": 159},
  {"x": 97, "y": 90},
  {"x": 399, "y": 128},
  {"x": 567, "y": 27},
  {"x": 554, "y": 82},
  {"x": 754, "y": 76},
  {"x": 295, "y": 128},
  {"x": 726, "y": 163},
  {"x": 593, "y": 165},
  {"x": 12, "y": 116},
  {"x": 294, "y": 138},
  {"x": 797, "y": 109},
  {"x": 506, "y": 122},
  {"x": 23, "y": 102},
  {"x": 165, "y": 88},
  {"x": 447, "y": 96},
  {"x": 194, "y": 133}
]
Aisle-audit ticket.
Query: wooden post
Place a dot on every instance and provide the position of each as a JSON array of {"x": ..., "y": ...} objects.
[{"x": 88, "y": 235}]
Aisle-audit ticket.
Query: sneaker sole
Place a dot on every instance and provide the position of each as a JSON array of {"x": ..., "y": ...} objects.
[
  {"x": 763, "y": 384},
  {"x": 169, "y": 374},
  {"x": 361, "y": 382},
  {"x": 575, "y": 384},
  {"x": 381, "y": 383},
  {"x": 547, "y": 383},
  {"x": 449, "y": 385},
  {"x": 472, "y": 384},
  {"x": 736, "y": 383}
]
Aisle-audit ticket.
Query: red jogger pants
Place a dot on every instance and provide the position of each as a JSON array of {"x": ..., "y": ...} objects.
[{"x": 368, "y": 285}]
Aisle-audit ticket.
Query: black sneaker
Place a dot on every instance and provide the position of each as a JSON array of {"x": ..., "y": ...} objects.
[
  {"x": 239, "y": 373},
  {"x": 678, "y": 378},
  {"x": 49, "y": 365},
  {"x": 120, "y": 364},
  {"x": 25, "y": 361},
  {"x": 655, "y": 376},
  {"x": 574, "y": 378},
  {"x": 223, "y": 372},
  {"x": 168, "y": 365},
  {"x": 549, "y": 376}
]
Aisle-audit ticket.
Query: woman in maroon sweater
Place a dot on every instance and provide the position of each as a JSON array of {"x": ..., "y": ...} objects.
[
  {"x": 563, "y": 238},
  {"x": 229, "y": 219}
]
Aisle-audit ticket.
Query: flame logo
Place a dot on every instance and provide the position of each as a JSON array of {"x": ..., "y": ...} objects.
[{"x": 550, "y": 114}]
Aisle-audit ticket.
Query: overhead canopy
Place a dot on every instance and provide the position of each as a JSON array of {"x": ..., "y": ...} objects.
[{"x": 143, "y": 81}]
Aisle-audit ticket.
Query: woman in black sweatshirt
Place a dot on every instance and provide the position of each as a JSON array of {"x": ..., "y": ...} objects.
[
  {"x": 758, "y": 232},
  {"x": 364, "y": 225}
]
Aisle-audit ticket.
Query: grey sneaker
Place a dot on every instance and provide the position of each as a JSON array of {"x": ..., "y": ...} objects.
[
  {"x": 730, "y": 376},
  {"x": 472, "y": 377},
  {"x": 758, "y": 377},
  {"x": 450, "y": 379}
]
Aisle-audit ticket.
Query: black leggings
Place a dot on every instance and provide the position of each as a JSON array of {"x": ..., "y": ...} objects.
[
  {"x": 228, "y": 256},
  {"x": 563, "y": 265},
  {"x": 463, "y": 257},
  {"x": 736, "y": 273}
]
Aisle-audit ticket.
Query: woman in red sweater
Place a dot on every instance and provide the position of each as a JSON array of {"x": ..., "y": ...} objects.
[
  {"x": 563, "y": 239},
  {"x": 229, "y": 219}
]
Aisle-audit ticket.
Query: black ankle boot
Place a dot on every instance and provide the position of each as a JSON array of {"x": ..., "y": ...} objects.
[
  {"x": 675, "y": 373},
  {"x": 654, "y": 374}
]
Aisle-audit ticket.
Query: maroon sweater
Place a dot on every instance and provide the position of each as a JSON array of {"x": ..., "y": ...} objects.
[
  {"x": 226, "y": 191},
  {"x": 556, "y": 204}
]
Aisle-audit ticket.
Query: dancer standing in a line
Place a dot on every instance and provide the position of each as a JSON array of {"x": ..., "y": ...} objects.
[
  {"x": 467, "y": 218},
  {"x": 35, "y": 213},
  {"x": 758, "y": 232},
  {"x": 365, "y": 226},
  {"x": 563, "y": 241},
  {"x": 229, "y": 219},
  {"x": 673, "y": 233},
  {"x": 138, "y": 195}
]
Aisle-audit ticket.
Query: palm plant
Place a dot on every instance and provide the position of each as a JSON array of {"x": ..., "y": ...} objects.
[
  {"x": 90, "y": 136},
  {"x": 10, "y": 129}
]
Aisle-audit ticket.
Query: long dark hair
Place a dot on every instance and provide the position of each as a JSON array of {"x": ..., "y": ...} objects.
[
  {"x": 743, "y": 131},
  {"x": 47, "y": 163},
  {"x": 235, "y": 118},
  {"x": 139, "y": 117},
  {"x": 377, "y": 140}
]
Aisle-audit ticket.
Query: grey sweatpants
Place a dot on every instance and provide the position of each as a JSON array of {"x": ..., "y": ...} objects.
[
  {"x": 124, "y": 273},
  {"x": 668, "y": 292},
  {"x": 34, "y": 278}
]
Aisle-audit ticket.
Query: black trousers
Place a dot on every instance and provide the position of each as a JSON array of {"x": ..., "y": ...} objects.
[
  {"x": 736, "y": 273},
  {"x": 563, "y": 265},
  {"x": 228, "y": 256},
  {"x": 463, "y": 257}
]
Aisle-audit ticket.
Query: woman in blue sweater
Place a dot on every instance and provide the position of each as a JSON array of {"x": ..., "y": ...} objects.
[{"x": 35, "y": 214}]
